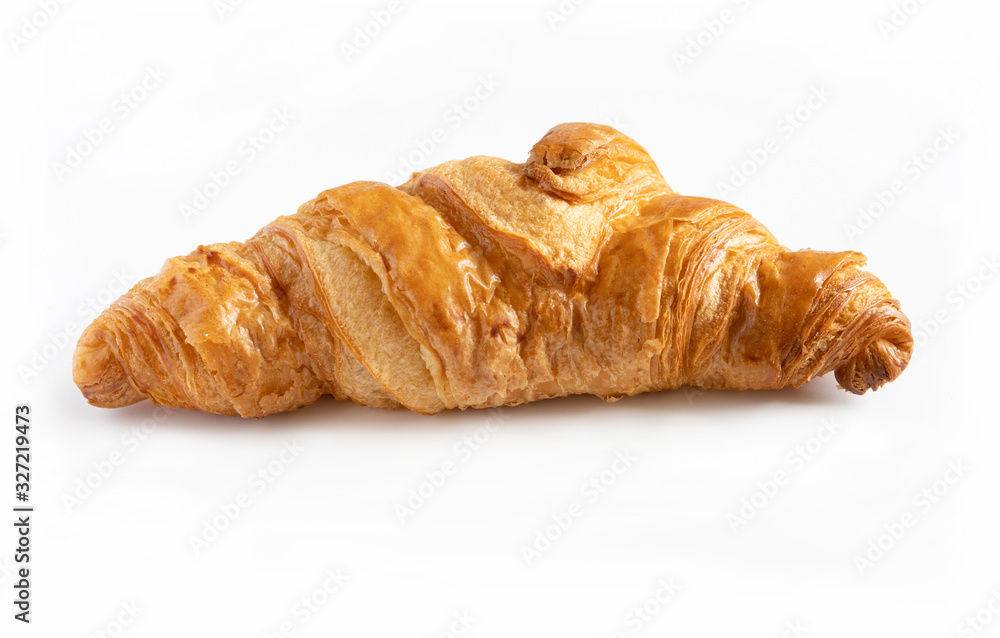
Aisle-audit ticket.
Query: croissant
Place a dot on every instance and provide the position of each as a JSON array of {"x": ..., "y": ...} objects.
[{"x": 482, "y": 282}]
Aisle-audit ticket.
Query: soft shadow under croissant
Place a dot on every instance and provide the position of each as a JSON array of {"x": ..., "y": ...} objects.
[{"x": 482, "y": 282}]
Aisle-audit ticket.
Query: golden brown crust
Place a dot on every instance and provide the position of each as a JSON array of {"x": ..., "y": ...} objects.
[{"x": 482, "y": 282}]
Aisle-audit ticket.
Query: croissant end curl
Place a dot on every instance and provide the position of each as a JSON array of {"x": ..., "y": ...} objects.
[{"x": 481, "y": 283}]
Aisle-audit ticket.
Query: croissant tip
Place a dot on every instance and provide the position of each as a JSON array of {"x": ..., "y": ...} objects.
[
  {"x": 878, "y": 363},
  {"x": 99, "y": 373}
]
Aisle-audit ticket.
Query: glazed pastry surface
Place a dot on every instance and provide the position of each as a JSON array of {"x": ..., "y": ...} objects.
[{"x": 482, "y": 282}]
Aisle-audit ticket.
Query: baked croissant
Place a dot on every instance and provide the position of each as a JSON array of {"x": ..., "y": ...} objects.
[{"x": 481, "y": 283}]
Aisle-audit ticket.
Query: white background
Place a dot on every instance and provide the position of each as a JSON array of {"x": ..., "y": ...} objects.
[{"x": 888, "y": 94}]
